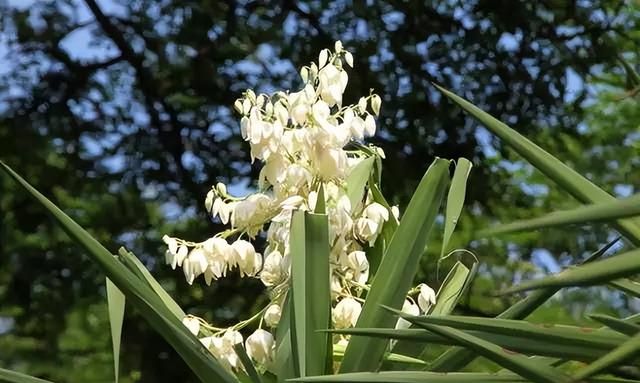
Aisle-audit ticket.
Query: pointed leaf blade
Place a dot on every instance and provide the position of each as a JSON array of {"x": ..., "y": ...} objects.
[
  {"x": 133, "y": 263},
  {"x": 455, "y": 200},
  {"x": 115, "y": 303},
  {"x": 568, "y": 179},
  {"x": 310, "y": 292},
  {"x": 599, "y": 212},
  {"x": 619, "y": 266},
  {"x": 399, "y": 264},
  {"x": 17, "y": 377}
]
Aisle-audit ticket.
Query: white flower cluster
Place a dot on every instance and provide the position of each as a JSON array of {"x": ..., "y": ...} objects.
[{"x": 300, "y": 138}]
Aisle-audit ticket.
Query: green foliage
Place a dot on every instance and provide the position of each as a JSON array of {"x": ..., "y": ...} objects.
[
  {"x": 399, "y": 264},
  {"x": 530, "y": 351}
]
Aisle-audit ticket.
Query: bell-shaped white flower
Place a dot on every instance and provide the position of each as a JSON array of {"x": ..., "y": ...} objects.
[
  {"x": 272, "y": 272},
  {"x": 358, "y": 265},
  {"x": 377, "y": 212},
  {"x": 221, "y": 209},
  {"x": 426, "y": 298},
  {"x": 171, "y": 243},
  {"x": 297, "y": 177},
  {"x": 222, "y": 349},
  {"x": 369, "y": 126},
  {"x": 366, "y": 230},
  {"x": 346, "y": 313},
  {"x": 192, "y": 324},
  {"x": 333, "y": 82},
  {"x": 329, "y": 163},
  {"x": 251, "y": 211},
  {"x": 260, "y": 346},
  {"x": 274, "y": 169},
  {"x": 408, "y": 308},
  {"x": 195, "y": 264},
  {"x": 300, "y": 113},
  {"x": 357, "y": 128},
  {"x": 206, "y": 341},
  {"x": 272, "y": 315},
  {"x": 245, "y": 257},
  {"x": 181, "y": 254},
  {"x": 370, "y": 224},
  {"x": 174, "y": 254}
]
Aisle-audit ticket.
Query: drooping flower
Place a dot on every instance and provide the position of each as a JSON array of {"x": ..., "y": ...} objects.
[
  {"x": 260, "y": 346},
  {"x": 408, "y": 307},
  {"x": 222, "y": 348},
  {"x": 369, "y": 225},
  {"x": 245, "y": 257},
  {"x": 192, "y": 324},
  {"x": 273, "y": 271},
  {"x": 426, "y": 298},
  {"x": 195, "y": 264},
  {"x": 346, "y": 313},
  {"x": 272, "y": 315}
]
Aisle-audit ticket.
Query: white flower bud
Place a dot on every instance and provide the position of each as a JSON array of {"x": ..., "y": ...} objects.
[
  {"x": 346, "y": 313},
  {"x": 369, "y": 126},
  {"x": 208, "y": 202},
  {"x": 338, "y": 46},
  {"x": 222, "y": 349},
  {"x": 261, "y": 100},
  {"x": 362, "y": 104},
  {"x": 357, "y": 128},
  {"x": 272, "y": 315},
  {"x": 221, "y": 188},
  {"x": 260, "y": 346},
  {"x": 246, "y": 106},
  {"x": 171, "y": 243},
  {"x": 251, "y": 96},
  {"x": 358, "y": 263},
  {"x": 348, "y": 57},
  {"x": 299, "y": 113},
  {"x": 376, "y": 102},
  {"x": 426, "y": 298},
  {"x": 237, "y": 105},
  {"x": 192, "y": 324},
  {"x": 322, "y": 59},
  {"x": 272, "y": 272},
  {"x": 313, "y": 70},
  {"x": 304, "y": 73}
]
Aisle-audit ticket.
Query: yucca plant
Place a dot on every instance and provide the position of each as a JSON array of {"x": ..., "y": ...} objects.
[{"x": 340, "y": 262}]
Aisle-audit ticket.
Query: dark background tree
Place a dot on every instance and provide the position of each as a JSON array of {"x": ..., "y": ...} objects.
[{"x": 121, "y": 112}]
